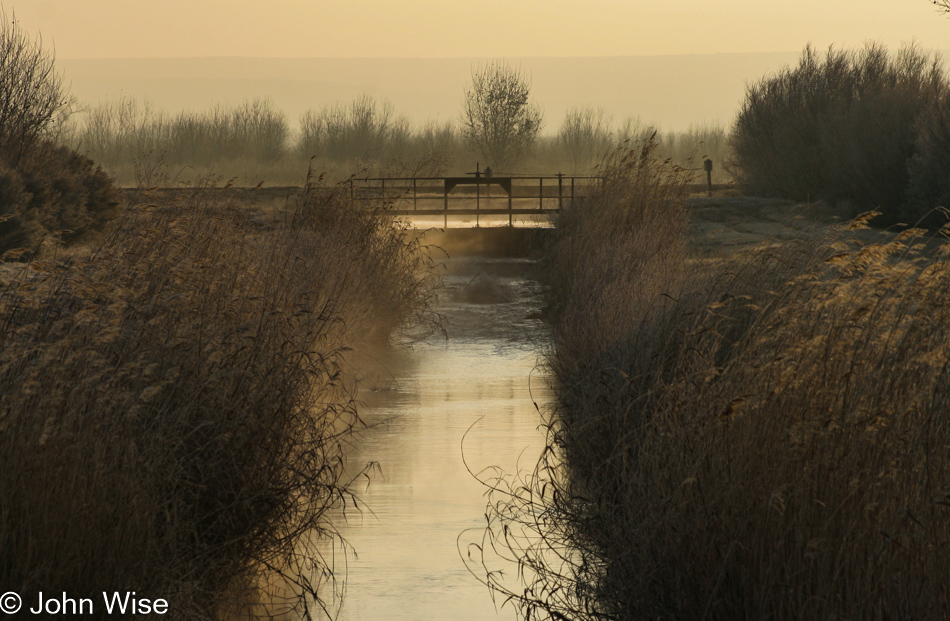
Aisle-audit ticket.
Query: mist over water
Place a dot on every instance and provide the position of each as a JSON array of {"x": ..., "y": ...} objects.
[{"x": 473, "y": 395}]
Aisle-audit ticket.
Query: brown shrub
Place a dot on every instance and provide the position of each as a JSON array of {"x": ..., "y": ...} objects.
[
  {"x": 841, "y": 127},
  {"x": 53, "y": 191},
  {"x": 928, "y": 190}
]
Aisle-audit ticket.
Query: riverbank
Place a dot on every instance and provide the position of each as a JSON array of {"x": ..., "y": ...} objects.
[
  {"x": 176, "y": 403},
  {"x": 740, "y": 431}
]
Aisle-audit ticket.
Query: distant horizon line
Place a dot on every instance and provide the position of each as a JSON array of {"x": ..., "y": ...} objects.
[
  {"x": 595, "y": 57},
  {"x": 423, "y": 57}
]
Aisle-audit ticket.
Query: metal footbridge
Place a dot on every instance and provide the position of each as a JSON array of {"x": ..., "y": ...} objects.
[{"x": 479, "y": 195}]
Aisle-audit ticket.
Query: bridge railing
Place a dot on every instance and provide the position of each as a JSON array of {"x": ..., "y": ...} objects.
[{"x": 477, "y": 195}]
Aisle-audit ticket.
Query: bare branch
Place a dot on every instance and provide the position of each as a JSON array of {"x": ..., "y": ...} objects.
[{"x": 31, "y": 91}]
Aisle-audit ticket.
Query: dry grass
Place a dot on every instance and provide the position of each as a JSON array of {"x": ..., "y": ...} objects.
[
  {"x": 634, "y": 224},
  {"x": 765, "y": 440},
  {"x": 174, "y": 405}
]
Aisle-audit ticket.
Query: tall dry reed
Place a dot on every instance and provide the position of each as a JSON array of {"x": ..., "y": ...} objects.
[
  {"x": 763, "y": 438},
  {"x": 175, "y": 406}
]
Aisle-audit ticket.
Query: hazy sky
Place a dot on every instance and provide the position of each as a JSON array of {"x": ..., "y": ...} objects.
[{"x": 469, "y": 28}]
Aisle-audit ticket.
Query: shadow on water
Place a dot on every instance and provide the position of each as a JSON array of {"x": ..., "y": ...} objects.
[{"x": 476, "y": 390}]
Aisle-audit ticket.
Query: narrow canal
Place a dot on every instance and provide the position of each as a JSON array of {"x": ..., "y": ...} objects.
[{"x": 472, "y": 396}]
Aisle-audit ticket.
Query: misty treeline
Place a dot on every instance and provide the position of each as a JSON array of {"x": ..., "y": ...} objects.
[
  {"x": 866, "y": 126},
  {"x": 256, "y": 141}
]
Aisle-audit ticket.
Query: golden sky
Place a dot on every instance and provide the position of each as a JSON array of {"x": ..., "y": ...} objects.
[{"x": 470, "y": 28}]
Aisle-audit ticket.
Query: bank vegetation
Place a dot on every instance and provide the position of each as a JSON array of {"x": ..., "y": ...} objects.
[
  {"x": 746, "y": 437},
  {"x": 176, "y": 392}
]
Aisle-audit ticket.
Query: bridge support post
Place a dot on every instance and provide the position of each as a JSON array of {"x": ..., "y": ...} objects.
[{"x": 560, "y": 191}]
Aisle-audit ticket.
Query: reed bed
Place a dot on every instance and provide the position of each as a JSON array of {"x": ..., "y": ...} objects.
[
  {"x": 176, "y": 401},
  {"x": 759, "y": 437}
]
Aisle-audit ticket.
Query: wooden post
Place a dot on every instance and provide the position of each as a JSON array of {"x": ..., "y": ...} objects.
[
  {"x": 488, "y": 188},
  {"x": 560, "y": 191},
  {"x": 572, "y": 191},
  {"x": 445, "y": 215},
  {"x": 540, "y": 192},
  {"x": 511, "y": 190},
  {"x": 478, "y": 198},
  {"x": 708, "y": 166},
  {"x": 415, "y": 203}
]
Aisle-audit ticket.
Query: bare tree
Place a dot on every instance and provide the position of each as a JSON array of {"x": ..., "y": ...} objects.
[
  {"x": 364, "y": 128},
  {"x": 944, "y": 5},
  {"x": 31, "y": 92},
  {"x": 585, "y": 137},
  {"x": 497, "y": 117}
]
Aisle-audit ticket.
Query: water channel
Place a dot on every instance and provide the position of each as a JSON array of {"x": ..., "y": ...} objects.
[{"x": 474, "y": 393}]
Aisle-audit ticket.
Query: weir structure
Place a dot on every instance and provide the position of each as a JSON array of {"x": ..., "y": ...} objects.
[{"x": 515, "y": 195}]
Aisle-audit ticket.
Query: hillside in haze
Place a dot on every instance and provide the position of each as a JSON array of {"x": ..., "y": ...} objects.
[{"x": 671, "y": 91}]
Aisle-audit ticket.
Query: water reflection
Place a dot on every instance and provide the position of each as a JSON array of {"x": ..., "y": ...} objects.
[{"x": 481, "y": 385}]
